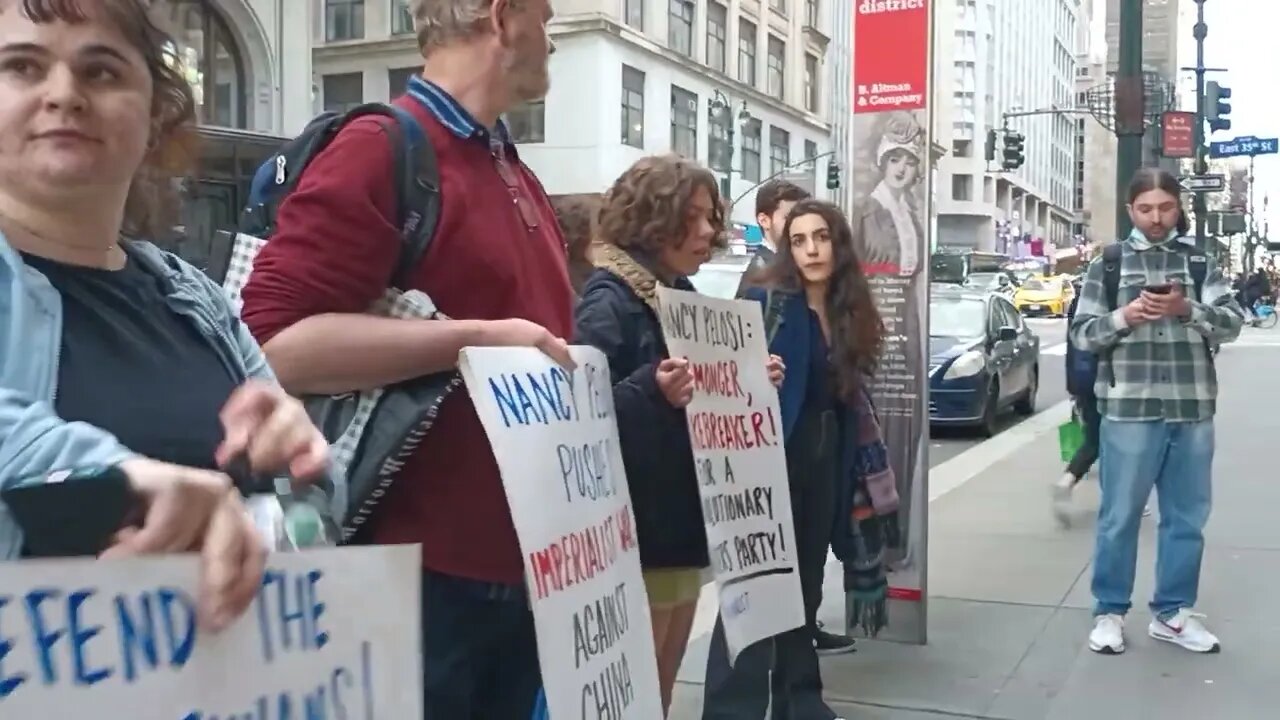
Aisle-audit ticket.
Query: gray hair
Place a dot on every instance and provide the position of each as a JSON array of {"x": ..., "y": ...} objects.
[{"x": 440, "y": 22}]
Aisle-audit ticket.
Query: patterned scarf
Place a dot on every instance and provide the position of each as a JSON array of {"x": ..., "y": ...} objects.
[{"x": 873, "y": 520}]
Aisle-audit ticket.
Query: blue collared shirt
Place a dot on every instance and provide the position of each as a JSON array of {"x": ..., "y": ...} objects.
[{"x": 452, "y": 115}]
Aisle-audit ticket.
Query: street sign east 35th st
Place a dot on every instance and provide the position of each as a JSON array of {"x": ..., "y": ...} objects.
[{"x": 1247, "y": 146}]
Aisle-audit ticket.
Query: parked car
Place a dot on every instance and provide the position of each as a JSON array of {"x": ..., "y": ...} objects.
[
  {"x": 1043, "y": 296},
  {"x": 983, "y": 360}
]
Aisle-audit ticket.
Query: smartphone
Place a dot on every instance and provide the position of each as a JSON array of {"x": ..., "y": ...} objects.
[
  {"x": 1164, "y": 289},
  {"x": 73, "y": 514}
]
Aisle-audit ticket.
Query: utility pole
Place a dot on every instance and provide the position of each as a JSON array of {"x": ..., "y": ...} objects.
[
  {"x": 1199, "y": 205},
  {"x": 1130, "y": 108}
]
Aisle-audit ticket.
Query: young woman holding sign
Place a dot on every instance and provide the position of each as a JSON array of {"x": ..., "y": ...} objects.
[
  {"x": 660, "y": 222},
  {"x": 820, "y": 318}
]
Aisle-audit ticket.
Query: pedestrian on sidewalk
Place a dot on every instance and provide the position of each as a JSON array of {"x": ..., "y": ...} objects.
[
  {"x": 821, "y": 319},
  {"x": 1082, "y": 376},
  {"x": 659, "y": 223},
  {"x": 497, "y": 270},
  {"x": 774, "y": 202},
  {"x": 1157, "y": 394}
]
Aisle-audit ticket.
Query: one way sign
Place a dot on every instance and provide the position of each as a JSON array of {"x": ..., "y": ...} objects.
[{"x": 1204, "y": 183}]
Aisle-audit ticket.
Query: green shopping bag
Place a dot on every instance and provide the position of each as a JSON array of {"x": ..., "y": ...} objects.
[{"x": 1070, "y": 438}]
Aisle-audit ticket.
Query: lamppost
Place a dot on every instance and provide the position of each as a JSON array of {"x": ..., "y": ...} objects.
[{"x": 720, "y": 115}]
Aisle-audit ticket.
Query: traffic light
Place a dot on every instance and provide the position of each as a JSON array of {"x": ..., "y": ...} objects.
[
  {"x": 1216, "y": 109},
  {"x": 991, "y": 145},
  {"x": 1014, "y": 150},
  {"x": 833, "y": 176}
]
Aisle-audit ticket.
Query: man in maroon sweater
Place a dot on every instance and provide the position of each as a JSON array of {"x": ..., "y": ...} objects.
[{"x": 496, "y": 266}]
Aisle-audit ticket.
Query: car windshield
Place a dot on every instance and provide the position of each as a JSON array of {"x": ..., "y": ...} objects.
[
  {"x": 1041, "y": 285},
  {"x": 985, "y": 281},
  {"x": 957, "y": 317},
  {"x": 718, "y": 280}
]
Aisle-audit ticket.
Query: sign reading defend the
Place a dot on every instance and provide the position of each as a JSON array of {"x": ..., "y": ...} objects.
[
  {"x": 333, "y": 634},
  {"x": 735, "y": 426},
  {"x": 554, "y": 436}
]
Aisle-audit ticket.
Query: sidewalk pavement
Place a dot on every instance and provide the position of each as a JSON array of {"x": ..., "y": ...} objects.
[{"x": 1009, "y": 605}]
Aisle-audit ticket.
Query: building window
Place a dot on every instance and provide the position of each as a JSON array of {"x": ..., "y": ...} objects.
[
  {"x": 962, "y": 187},
  {"x": 777, "y": 67},
  {"x": 343, "y": 92},
  {"x": 779, "y": 150},
  {"x": 680, "y": 27},
  {"x": 684, "y": 123},
  {"x": 401, "y": 18},
  {"x": 811, "y": 152},
  {"x": 811, "y": 13},
  {"x": 528, "y": 123},
  {"x": 779, "y": 5},
  {"x": 343, "y": 20},
  {"x": 811, "y": 83},
  {"x": 747, "y": 52},
  {"x": 717, "y": 31},
  {"x": 751, "y": 130},
  {"x": 210, "y": 59},
  {"x": 635, "y": 14},
  {"x": 398, "y": 79},
  {"x": 632, "y": 107}
]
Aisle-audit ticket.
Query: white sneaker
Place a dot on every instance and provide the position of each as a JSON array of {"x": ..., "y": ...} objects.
[
  {"x": 1108, "y": 635},
  {"x": 1062, "y": 499},
  {"x": 1186, "y": 631}
]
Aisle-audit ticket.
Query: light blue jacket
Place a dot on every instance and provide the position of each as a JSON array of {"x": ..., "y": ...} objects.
[{"x": 34, "y": 441}]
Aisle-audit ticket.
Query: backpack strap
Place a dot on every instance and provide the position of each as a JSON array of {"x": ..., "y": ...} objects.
[
  {"x": 417, "y": 173},
  {"x": 773, "y": 304},
  {"x": 1112, "y": 255}
]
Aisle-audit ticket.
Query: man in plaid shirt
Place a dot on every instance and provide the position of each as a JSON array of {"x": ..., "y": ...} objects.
[{"x": 1157, "y": 393}]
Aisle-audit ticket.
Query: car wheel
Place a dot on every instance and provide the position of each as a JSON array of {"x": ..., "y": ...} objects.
[
  {"x": 989, "y": 424},
  {"x": 1027, "y": 405}
]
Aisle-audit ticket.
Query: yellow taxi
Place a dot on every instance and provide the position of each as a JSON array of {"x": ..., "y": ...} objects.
[{"x": 1043, "y": 296}]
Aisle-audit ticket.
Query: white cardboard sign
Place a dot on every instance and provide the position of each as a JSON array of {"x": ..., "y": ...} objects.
[{"x": 556, "y": 442}]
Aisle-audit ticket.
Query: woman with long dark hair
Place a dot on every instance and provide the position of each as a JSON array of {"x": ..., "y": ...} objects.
[{"x": 821, "y": 319}]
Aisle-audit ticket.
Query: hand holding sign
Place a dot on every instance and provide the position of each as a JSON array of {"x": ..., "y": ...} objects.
[
  {"x": 675, "y": 381},
  {"x": 777, "y": 370}
]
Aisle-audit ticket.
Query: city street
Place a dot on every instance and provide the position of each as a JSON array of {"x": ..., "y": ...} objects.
[
  {"x": 946, "y": 443},
  {"x": 1009, "y": 590}
]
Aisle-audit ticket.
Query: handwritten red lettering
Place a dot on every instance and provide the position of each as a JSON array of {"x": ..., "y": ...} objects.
[
  {"x": 717, "y": 378},
  {"x": 580, "y": 556},
  {"x": 741, "y": 431}
]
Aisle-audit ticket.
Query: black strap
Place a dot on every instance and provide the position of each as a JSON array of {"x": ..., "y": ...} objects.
[{"x": 772, "y": 315}]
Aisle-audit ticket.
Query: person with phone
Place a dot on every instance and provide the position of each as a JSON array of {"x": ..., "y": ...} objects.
[
  {"x": 125, "y": 377},
  {"x": 1154, "y": 331}
]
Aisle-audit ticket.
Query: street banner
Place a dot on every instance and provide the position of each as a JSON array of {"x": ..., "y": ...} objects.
[
  {"x": 890, "y": 219},
  {"x": 1177, "y": 134},
  {"x": 333, "y": 633},
  {"x": 554, "y": 435},
  {"x": 735, "y": 427}
]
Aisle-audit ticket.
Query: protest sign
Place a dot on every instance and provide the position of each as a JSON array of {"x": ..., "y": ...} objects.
[
  {"x": 735, "y": 427},
  {"x": 333, "y": 634},
  {"x": 556, "y": 441}
]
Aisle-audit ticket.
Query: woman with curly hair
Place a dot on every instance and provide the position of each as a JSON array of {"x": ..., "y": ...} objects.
[
  {"x": 821, "y": 319},
  {"x": 661, "y": 220}
]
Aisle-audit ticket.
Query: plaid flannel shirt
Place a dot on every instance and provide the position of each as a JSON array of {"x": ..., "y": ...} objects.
[{"x": 1162, "y": 370}]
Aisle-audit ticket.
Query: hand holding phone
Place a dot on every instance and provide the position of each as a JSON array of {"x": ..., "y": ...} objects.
[
  {"x": 73, "y": 514},
  {"x": 1161, "y": 289}
]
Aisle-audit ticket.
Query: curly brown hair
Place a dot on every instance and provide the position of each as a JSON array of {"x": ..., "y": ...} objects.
[
  {"x": 648, "y": 206},
  {"x": 152, "y": 203},
  {"x": 577, "y": 217},
  {"x": 857, "y": 331}
]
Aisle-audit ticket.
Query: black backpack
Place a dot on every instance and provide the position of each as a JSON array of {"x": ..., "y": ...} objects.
[
  {"x": 1197, "y": 266},
  {"x": 406, "y": 411}
]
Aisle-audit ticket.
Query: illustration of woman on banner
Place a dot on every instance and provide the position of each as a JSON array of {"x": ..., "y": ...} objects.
[{"x": 891, "y": 241}]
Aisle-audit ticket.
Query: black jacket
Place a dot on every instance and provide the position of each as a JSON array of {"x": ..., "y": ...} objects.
[{"x": 656, "y": 452}]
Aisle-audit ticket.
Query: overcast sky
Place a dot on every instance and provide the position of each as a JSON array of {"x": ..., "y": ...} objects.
[{"x": 1244, "y": 38}]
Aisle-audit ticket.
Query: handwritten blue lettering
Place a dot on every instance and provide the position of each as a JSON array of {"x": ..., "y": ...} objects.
[
  {"x": 327, "y": 699},
  {"x": 297, "y": 606},
  {"x": 542, "y": 398},
  {"x": 79, "y": 617}
]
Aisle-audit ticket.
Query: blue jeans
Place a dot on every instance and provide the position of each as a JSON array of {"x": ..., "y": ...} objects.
[
  {"x": 1175, "y": 458},
  {"x": 479, "y": 651}
]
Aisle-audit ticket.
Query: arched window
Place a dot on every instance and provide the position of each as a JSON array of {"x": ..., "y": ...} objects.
[{"x": 211, "y": 59}]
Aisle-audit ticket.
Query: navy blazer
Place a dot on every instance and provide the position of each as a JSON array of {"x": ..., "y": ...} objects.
[{"x": 793, "y": 342}]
